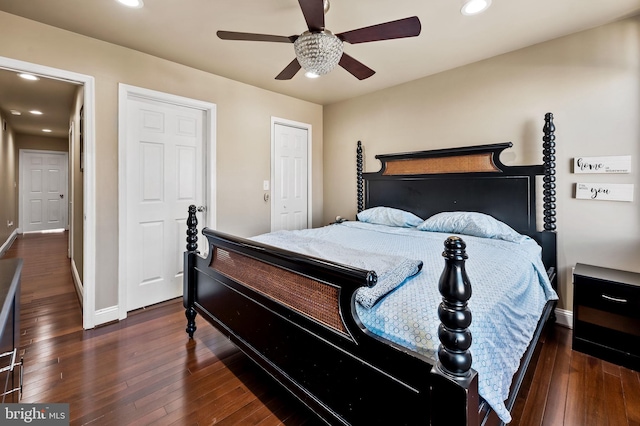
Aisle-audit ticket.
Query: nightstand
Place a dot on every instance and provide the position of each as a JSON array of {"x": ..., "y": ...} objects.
[{"x": 606, "y": 314}]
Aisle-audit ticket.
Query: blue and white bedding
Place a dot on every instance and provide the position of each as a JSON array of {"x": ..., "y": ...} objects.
[
  {"x": 391, "y": 270},
  {"x": 510, "y": 289}
]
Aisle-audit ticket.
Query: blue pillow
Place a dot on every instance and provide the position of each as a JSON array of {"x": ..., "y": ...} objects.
[
  {"x": 471, "y": 223},
  {"x": 390, "y": 217}
]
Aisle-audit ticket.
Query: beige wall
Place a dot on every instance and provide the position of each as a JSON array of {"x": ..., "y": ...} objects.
[
  {"x": 8, "y": 186},
  {"x": 243, "y": 129},
  {"x": 42, "y": 143},
  {"x": 589, "y": 80}
]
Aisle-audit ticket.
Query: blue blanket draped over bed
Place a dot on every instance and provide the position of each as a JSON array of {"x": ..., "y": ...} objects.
[
  {"x": 391, "y": 270},
  {"x": 510, "y": 289}
]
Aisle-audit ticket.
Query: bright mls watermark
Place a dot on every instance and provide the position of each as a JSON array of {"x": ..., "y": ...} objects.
[{"x": 34, "y": 414}]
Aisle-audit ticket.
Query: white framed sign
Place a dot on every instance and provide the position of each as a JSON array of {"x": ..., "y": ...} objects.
[
  {"x": 605, "y": 191},
  {"x": 610, "y": 164}
]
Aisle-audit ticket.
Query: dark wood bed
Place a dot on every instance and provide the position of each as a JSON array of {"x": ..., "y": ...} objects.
[{"x": 294, "y": 315}]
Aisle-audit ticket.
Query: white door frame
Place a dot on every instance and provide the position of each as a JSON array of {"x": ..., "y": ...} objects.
[
  {"x": 209, "y": 148},
  {"x": 22, "y": 189},
  {"x": 89, "y": 175},
  {"x": 307, "y": 127},
  {"x": 70, "y": 197}
]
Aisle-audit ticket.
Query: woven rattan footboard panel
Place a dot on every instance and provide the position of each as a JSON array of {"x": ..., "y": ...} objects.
[{"x": 312, "y": 298}]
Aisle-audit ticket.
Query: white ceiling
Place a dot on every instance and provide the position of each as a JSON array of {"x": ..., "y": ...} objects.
[{"x": 184, "y": 31}]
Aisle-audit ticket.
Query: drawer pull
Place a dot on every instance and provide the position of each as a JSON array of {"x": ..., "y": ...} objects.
[{"x": 614, "y": 299}]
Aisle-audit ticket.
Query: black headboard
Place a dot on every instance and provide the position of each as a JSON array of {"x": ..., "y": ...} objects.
[
  {"x": 467, "y": 179},
  {"x": 506, "y": 193}
]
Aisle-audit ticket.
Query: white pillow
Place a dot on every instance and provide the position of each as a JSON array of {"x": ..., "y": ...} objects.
[
  {"x": 471, "y": 223},
  {"x": 390, "y": 217}
]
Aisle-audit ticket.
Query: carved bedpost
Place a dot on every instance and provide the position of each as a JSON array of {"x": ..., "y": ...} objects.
[
  {"x": 189, "y": 255},
  {"x": 455, "y": 338},
  {"x": 549, "y": 158},
  {"x": 192, "y": 229},
  {"x": 455, "y": 384},
  {"x": 360, "y": 180}
]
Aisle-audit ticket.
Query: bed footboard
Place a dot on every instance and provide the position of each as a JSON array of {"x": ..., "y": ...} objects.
[{"x": 321, "y": 352}]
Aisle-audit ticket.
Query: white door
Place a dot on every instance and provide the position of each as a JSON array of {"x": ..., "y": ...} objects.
[
  {"x": 164, "y": 175},
  {"x": 290, "y": 180},
  {"x": 44, "y": 187}
]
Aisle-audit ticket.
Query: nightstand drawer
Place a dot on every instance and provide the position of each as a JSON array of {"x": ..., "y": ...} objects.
[
  {"x": 607, "y": 337},
  {"x": 606, "y": 314},
  {"x": 608, "y": 296},
  {"x": 609, "y": 320}
]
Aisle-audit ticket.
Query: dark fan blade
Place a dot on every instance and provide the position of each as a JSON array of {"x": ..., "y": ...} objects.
[
  {"x": 355, "y": 67},
  {"x": 230, "y": 35},
  {"x": 289, "y": 71},
  {"x": 408, "y": 27},
  {"x": 313, "y": 11}
]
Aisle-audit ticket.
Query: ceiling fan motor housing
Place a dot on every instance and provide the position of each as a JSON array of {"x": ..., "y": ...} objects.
[{"x": 318, "y": 52}]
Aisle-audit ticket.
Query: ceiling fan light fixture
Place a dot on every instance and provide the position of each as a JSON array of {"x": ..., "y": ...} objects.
[
  {"x": 318, "y": 52},
  {"x": 473, "y": 7}
]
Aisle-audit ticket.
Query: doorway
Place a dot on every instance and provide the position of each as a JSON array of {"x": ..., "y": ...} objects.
[{"x": 89, "y": 210}]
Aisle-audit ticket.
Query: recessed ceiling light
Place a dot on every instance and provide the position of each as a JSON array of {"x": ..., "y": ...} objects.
[
  {"x": 473, "y": 7},
  {"x": 28, "y": 76},
  {"x": 35, "y": 112},
  {"x": 46, "y": 130},
  {"x": 15, "y": 112},
  {"x": 137, "y": 4}
]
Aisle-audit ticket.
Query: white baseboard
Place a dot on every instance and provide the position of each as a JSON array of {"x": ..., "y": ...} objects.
[
  {"x": 564, "y": 318},
  {"x": 110, "y": 314},
  {"x": 7, "y": 244},
  {"x": 77, "y": 281}
]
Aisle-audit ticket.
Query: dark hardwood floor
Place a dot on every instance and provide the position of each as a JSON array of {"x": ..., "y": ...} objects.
[{"x": 145, "y": 370}]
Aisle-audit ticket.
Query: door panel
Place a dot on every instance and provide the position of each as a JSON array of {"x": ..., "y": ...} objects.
[
  {"x": 36, "y": 212},
  {"x": 291, "y": 182},
  {"x": 165, "y": 174}
]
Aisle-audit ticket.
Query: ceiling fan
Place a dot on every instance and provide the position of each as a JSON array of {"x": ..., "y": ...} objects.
[{"x": 319, "y": 51}]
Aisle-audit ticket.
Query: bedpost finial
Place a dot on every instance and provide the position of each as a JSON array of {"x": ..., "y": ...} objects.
[
  {"x": 192, "y": 229},
  {"x": 372, "y": 278},
  {"x": 454, "y": 248},
  {"x": 454, "y": 356},
  {"x": 548, "y": 121}
]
